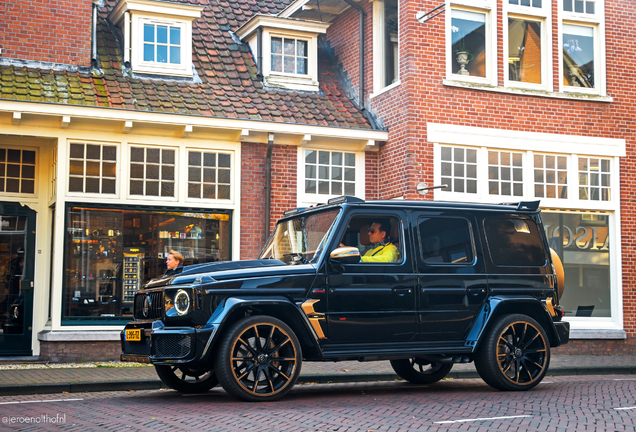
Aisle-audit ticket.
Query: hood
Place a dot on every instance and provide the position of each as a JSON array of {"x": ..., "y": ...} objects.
[{"x": 220, "y": 270}]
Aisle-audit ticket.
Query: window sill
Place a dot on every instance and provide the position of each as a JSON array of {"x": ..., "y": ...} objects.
[
  {"x": 522, "y": 92},
  {"x": 385, "y": 89},
  {"x": 597, "y": 334},
  {"x": 292, "y": 83}
]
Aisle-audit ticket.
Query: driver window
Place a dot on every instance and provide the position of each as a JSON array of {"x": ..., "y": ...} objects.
[{"x": 377, "y": 238}]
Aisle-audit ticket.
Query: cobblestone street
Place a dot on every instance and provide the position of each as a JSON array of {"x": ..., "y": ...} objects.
[{"x": 559, "y": 404}]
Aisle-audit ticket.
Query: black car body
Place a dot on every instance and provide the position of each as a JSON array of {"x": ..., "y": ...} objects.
[{"x": 469, "y": 283}]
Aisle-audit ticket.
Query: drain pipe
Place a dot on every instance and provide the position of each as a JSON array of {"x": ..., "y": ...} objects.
[
  {"x": 268, "y": 183},
  {"x": 357, "y": 7},
  {"x": 94, "y": 34},
  {"x": 259, "y": 53}
]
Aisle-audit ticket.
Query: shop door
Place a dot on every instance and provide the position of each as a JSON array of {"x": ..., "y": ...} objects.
[{"x": 17, "y": 244}]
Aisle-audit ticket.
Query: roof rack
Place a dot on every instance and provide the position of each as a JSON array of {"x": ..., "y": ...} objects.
[
  {"x": 345, "y": 199},
  {"x": 525, "y": 205},
  {"x": 294, "y": 211}
]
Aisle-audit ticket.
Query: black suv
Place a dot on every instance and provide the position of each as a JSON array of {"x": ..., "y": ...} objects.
[{"x": 463, "y": 282}]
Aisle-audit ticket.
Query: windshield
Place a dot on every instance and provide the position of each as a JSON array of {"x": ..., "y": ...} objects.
[{"x": 300, "y": 240}]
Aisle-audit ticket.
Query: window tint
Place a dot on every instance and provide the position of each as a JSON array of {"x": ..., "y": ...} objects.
[
  {"x": 514, "y": 242},
  {"x": 445, "y": 240}
]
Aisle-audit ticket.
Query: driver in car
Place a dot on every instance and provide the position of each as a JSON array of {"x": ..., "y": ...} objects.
[{"x": 382, "y": 250}]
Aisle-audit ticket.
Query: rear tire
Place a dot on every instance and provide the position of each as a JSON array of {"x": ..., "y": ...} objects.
[
  {"x": 515, "y": 354},
  {"x": 187, "y": 380},
  {"x": 259, "y": 359},
  {"x": 420, "y": 371}
]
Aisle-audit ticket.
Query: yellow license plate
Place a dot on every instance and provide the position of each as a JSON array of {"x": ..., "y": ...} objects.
[{"x": 133, "y": 335}]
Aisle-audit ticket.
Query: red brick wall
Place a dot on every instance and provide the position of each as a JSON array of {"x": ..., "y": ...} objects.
[
  {"x": 284, "y": 169},
  {"x": 407, "y": 158},
  {"x": 72, "y": 352},
  {"x": 57, "y": 31}
]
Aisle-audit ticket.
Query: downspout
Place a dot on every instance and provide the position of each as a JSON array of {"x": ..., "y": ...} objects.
[
  {"x": 259, "y": 53},
  {"x": 357, "y": 7},
  {"x": 94, "y": 44},
  {"x": 268, "y": 183}
]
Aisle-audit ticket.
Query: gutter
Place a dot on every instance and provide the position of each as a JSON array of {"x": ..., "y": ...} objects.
[{"x": 268, "y": 184}]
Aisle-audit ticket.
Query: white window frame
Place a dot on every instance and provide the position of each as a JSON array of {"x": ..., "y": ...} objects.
[
  {"x": 568, "y": 175},
  {"x": 137, "y": 55},
  {"x": 379, "y": 50},
  {"x": 597, "y": 22},
  {"x": 118, "y": 165},
  {"x": 544, "y": 17},
  {"x": 129, "y": 162},
  {"x": 488, "y": 8},
  {"x": 234, "y": 176},
  {"x": 571, "y": 146},
  {"x": 305, "y": 199}
]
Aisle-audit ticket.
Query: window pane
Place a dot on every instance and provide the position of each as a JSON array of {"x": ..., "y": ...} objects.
[
  {"x": 224, "y": 160},
  {"x": 277, "y": 45},
  {"x": 76, "y": 184},
  {"x": 289, "y": 48},
  {"x": 310, "y": 186},
  {"x": 310, "y": 156},
  {"x": 93, "y": 152},
  {"x": 514, "y": 242},
  {"x": 209, "y": 175},
  {"x": 194, "y": 190},
  {"x": 109, "y": 169},
  {"x": 92, "y": 169},
  {"x": 28, "y": 157},
  {"x": 152, "y": 188},
  {"x": 175, "y": 55},
  {"x": 167, "y": 156},
  {"x": 224, "y": 192},
  {"x": 209, "y": 191},
  {"x": 578, "y": 56},
  {"x": 301, "y": 48},
  {"x": 194, "y": 158},
  {"x": 28, "y": 172},
  {"x": 175, "y": 36},
  {"x": 194, "y": 174},
  {"x": 149, "y": 52},
  {"x": 167, "y": 189},
  {"x": 152, "y": 155},
  {"x": 524, "y": 51},
  {"x": 350, "y": 159},
  {"x": 109, "y": 153},
  {"x": 469, "y": 43},
  {"x": 289, "y": 65},
  {"x": 167, "y": 172},
  {"x": 136, "y": 187},
  {"x": 76, "y": 168},
  {"x": 567, "y": 5},
  {"x": 77, "y": 151},
  {"x": 224, "y": 176},
  {"x": 445, "y": 240},
  {"x": 162, "y": 34},
  {"x": 302, "y": 66},
  {"x": 152, "y": 172},
  {"x": 149, "y": 33},
  {"x": 92, "y": 185},
  {"x": 277, "y": 63},
  {"x": 136, "y": 154},
  {"x": 162, "y": 54},
  {"x": 583, "y": 244}
]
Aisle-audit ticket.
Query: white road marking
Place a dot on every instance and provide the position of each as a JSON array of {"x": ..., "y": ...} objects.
[
  {"x": 37, "y": 401},
  {"x": 626, "y": 408},
  {"x": 624, "y": 379},
  {"x": 481, "y": 419}
]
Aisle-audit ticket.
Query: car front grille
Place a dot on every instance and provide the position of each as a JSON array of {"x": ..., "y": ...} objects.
[
  {"x": 171, "y": 345},
  {"x": 156, "y": 305}
]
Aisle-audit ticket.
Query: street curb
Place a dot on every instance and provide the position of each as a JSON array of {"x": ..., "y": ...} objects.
[{"x": 303, "y": 379}]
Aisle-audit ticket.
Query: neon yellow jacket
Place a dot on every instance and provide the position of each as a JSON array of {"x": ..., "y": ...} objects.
[{"x": 381, "y": 253}]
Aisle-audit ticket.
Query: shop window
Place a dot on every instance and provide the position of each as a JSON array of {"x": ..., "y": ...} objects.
[
  {"x": 152, "y": 171},
  {"x": 459, "y": 169},
  {"x": 92, "y": 168},
  {"x": 594, "y": 179},
  {"x": 17, "y": 171},
  {"x": 469, "y": 53},
  {"x": 330, "y": 173},
  {"x": 505, "y": 173},
  {"x": 209, "y": 175},
  {"x": 582, "y": 241},
  {"x": 111, "y": 253},
  {"x": 550, "y": 176}
]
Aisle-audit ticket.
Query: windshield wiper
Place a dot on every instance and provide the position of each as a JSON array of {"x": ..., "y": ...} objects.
[{"x": 297, "y": 256}]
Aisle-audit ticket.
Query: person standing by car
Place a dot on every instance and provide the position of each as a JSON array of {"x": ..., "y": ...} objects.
[
  {"x": 174, "y": 262},
  {"x": 382, "y": 249}
]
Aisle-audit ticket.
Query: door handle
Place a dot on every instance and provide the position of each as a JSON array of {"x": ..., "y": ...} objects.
[
  {"x": 402, "y": 291},
  {"x": 476, "y": 291}
]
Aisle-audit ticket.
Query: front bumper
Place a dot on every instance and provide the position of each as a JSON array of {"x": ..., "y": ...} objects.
[{"x": 167, "y": 345}]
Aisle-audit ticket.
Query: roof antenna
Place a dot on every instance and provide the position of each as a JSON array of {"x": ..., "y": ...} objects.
[{"x": 319, "y": 11}]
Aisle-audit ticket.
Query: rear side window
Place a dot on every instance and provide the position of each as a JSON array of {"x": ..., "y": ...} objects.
[
  {"x": 445, "y": 240},
  {"x": 514, "y": 242}
]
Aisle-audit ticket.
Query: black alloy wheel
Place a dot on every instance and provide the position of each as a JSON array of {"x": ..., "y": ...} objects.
[
  {"x": 515, "y": 355},
  {"x": 259, "y": 359},
  {"x": 187, "y": 380},
  {"x": 420, "y": 371}
]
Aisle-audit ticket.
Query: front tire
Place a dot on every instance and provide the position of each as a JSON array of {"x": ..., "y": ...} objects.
[
  {"x": 515, "y": 354},
  {"x": 420, "y": 371},
  {"x": 187, "y": 380},
  {"x": 259, "y": 359}
]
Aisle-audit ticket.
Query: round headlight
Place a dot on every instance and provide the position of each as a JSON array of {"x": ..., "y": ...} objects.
[{"x": 182, "y": 302}]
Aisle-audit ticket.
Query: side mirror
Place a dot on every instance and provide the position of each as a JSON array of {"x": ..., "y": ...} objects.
[{"x": 345, "y": 255}]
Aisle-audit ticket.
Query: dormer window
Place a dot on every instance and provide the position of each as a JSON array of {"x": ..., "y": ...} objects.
[
  {"x": 289, "y": 50},
  {"x": 157, "y": 35}
]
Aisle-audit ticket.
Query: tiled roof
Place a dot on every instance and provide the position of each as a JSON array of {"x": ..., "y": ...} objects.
[{"x": 228, "y": 88}]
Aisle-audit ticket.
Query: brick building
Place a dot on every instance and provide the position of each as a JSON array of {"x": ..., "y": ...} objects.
[{"x": 132, "y": 127}]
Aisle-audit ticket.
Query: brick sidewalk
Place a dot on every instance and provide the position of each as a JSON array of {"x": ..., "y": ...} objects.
[{"x": 341, "y": 371}]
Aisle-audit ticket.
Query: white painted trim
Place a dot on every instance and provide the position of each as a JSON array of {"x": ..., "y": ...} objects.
[
  {"x": 386, "y": 89},
  {"x": 77, "y": 335},
  {"x": 100, "y": 114},
  {"x": 308, "y": 82},
  {"x": 515, "y": 140},
  {"x": 378, "y": 22},
  {"x": 274, "y": 23},
  {"x": 180, "y": 10}
]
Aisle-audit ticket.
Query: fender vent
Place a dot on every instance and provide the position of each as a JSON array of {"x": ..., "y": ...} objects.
[{"x": 172, "y": 345}]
